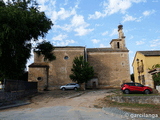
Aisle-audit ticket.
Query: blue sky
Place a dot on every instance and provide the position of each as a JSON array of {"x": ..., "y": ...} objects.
[{"x": 93, "y": 23}]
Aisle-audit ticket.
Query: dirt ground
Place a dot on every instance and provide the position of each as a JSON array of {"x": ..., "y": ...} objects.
[{"x": 87, "y": 98}]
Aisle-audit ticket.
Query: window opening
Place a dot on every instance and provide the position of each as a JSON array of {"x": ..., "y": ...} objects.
[{"x": 118, "y": 46}]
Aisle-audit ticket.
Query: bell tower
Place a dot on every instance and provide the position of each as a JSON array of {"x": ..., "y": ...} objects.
[{"x": 120, "y": 42}]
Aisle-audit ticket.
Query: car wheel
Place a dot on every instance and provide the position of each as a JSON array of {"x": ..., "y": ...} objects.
[
  {"x": 147, "y": 92},
  {"x": 63, "y": 89},
  {"x": 126, "y": 91},
  {"x": 75, "y": 88}
]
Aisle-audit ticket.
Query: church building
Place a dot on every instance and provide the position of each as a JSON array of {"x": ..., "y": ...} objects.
[{"x": 111, "y": 65}]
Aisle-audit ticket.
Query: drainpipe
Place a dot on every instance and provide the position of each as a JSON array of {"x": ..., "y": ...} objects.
[{"x": 47, "y": 77}]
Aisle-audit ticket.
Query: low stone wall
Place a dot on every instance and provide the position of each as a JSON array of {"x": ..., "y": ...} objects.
[
  {"x": 9, "y": 97},
  {"x": 158, "y": 88},
  {"x": 136, "y": 99}
]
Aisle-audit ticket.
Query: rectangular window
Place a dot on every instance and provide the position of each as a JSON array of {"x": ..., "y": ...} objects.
[
  {"x": 118, "y": 46},
  {"x": 143, "y": 79}
]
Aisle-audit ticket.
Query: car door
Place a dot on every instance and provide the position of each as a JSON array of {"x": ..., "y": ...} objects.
[
  {"x": 68, "y": 86},
  {"x": 139, "y": 87},
  {"x": 131, "y": 86},
  {"x": 73, "y": 86}
]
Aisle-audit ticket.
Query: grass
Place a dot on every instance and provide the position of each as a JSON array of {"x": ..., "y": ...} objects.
[
  {"x": 133, "y": 105},
  {"x": 139, "y": 94}
]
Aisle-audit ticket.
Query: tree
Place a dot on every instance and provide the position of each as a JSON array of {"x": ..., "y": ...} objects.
[
  {"x": 156, "y": 78},
  {"x": 154, "y": 66},
  {"x": 21, "y": 22},
  {"x": 81, "y": 70},
  {"x": 132, "y": 77},
  {"x": 46, "y": 49}
]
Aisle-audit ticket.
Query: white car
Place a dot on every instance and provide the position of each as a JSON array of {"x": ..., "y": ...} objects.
[{"x": 70, "y": 86}]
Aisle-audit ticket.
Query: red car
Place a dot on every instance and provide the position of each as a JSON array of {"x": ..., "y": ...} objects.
[{"x": 135, "y": 87}]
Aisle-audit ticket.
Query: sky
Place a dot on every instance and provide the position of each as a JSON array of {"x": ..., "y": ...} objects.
[{"x": 94, "y": 23}]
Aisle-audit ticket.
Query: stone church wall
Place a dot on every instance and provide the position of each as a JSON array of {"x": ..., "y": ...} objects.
[
  {"x": 60, "y": 69},
  {"x": 111, "y": 68},
  {"x": 35, "y": 73}
]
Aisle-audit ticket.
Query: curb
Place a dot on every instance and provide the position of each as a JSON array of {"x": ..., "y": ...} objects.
[
  {"x": 77, "y": 95},
  {"x": 16, "y": 104}
]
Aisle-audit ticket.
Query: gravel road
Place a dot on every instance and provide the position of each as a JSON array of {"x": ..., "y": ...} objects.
[
  {"x": 58, "y": 113},
  {"x": 66, "y": 105}
]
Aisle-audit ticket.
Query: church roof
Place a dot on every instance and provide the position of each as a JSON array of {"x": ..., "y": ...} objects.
[
  {"x": 38, "y": 65},
  {"x": 105, "y": 50},
  {"x": 69, "y": 46},
  {"x": 150, "y": 53}
]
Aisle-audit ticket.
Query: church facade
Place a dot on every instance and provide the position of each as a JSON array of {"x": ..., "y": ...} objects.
[{"x": 111, "y": 65}]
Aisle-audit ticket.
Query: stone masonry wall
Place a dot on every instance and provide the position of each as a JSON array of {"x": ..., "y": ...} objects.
[
  {"x": 60, "y": 69},
  {"x": 34, "y": 73},
  {"x": 112, "y": 68},
  {"x": 137, "y": 99}
]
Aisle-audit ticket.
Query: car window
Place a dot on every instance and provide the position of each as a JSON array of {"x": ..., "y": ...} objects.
[
  {"x": 139, "y": 85},
  {"x": 72, "y": 84},
  {"x": 131, "y": 84}
]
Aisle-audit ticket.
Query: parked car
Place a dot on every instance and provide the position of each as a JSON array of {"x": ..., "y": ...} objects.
[
  {"x": 135, "y": 87},
  {"x": 70, "y": 86}
]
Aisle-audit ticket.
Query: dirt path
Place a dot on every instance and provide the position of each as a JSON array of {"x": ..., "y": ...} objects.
[{"x": 88, "y": 98}]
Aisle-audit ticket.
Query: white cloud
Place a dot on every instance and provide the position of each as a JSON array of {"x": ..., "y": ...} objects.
[
  {"x": 49, "y": 7},
  {"x": 82, "y": 31},
  {"x": 95, "y": 41},
  {"x": 60, "y": 37},
  {"x": 149, "y": 12},
  {"x": 63, "y": 43},
  {"x": 66, "y": 2},
  {"x": 65, "y": 27},
  {"x": 105, "y": 33},
  {"x": 113, "y": 6},
  {"x": 102, "y": 46},
  {"x": 128, "y": 18},
  {"x": 77, "y": 25},
  {"x": 155, "y": 43},
  {"x": 97, "y": 15},
  {"x": 62, "y": 14},
  {"x": 42, "y": 1},
  {"x": 114, "y": 32},
  {"x": 130, "y": 52},
  {"x": 139, "y": 42},
  {"x": 78, "y": 20}
]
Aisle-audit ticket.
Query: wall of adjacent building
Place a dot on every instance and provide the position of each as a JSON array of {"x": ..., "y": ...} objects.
[{"x": 148, "y": 62}]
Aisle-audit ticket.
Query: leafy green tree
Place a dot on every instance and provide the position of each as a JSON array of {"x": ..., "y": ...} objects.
[
  {"x": 154, "y": 66},
  {"x": 156, "y": 78},
  {"x": 132, "y": 77},
  {"x": 81, "y": 70},
  {"x": 46, "y": 49},
  {"x": 20, "y": 23}
]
